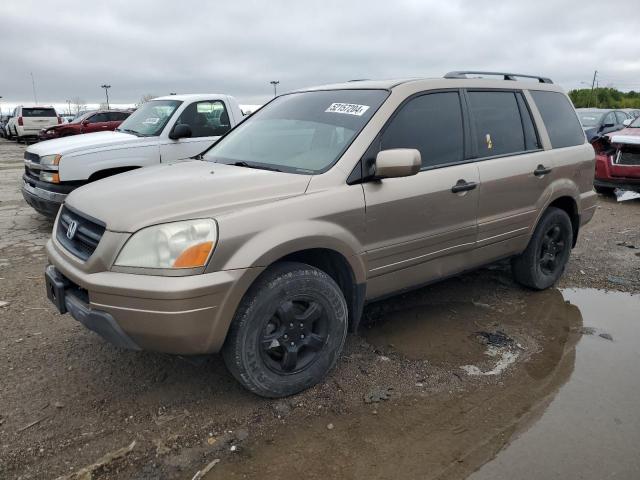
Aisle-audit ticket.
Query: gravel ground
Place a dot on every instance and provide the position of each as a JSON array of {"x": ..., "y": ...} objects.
[{"x": 67, "y": 398}]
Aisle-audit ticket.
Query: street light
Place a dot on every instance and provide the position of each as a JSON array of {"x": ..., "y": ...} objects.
[
  {"x": 106, "y": 92},
  {"x": 275, "y": 86},
  {"x": 69, "y": 105}
]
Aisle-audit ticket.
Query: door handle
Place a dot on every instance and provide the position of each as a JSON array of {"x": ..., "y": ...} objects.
[
  {"x": 541, "y": 170},
  {"x": 463, "y": 186}
]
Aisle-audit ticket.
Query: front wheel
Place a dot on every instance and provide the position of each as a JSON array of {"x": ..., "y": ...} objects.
[
  {"x": 288, "y": 331},
  {"x": 544, "y": 260}
]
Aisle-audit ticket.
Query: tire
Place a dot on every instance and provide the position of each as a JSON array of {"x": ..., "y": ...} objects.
[
  {"x": 604, "y": 190},
  {"x": 545, "y": 258},
  {"x": 271, "y": 348}
]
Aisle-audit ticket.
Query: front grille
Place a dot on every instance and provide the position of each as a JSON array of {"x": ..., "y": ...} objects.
[
  {"x": 32, "y": 157},
  {"x": 628, "y": 158},
  {"x": 87, "y": 234},
  {"x": 32, "y": 174}
]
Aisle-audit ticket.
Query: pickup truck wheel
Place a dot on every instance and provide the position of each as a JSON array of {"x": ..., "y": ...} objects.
[
  {"x": 288, "y": 331},
  {"x": 544, "y": 260}
]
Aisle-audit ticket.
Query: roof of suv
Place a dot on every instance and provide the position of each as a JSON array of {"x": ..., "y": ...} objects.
[{"x": 440, "y": 82}]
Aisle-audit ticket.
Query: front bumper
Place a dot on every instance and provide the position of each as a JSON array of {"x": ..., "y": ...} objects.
[
  {"x": 184, "y": 315},
  {"x": 43, "y": 201},
  {"x": 71, "y": 298}
]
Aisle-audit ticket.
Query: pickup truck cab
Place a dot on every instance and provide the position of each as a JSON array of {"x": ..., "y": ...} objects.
[{"x": 163, "y": 130}]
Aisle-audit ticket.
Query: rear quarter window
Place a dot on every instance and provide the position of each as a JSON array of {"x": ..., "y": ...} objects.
[
  {"x": 39, "y": 112},
  {"x": 559, "y": 118}
]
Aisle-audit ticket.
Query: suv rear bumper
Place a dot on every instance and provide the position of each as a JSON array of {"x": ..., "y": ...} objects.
[{"x": 184, "y": 315}]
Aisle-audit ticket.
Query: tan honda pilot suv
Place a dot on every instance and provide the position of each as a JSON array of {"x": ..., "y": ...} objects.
[{"x": 267, "y": 246}]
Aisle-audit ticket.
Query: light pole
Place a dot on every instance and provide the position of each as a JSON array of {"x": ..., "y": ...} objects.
[
  {"x": 106, "y": 92},
  {"x": 275, "y": 87},
  {"x": 68, "y": 106},
  {"x": 0, "y": 108}
]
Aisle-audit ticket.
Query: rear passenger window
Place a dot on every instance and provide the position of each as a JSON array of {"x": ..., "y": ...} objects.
[
  {"x": 498, "y": 127},
  {"x": 39, "y": 112},
  {"x": 559, "y": 118},
  {"x": 432, "y": 124}
]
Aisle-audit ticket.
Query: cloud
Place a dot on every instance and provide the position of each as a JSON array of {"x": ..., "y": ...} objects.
[{"x": 158, "y": 47}]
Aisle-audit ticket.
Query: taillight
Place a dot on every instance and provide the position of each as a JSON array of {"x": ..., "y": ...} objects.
[
  {"x": 59, "y": 120},
  {"x": 20, "y": 122}
]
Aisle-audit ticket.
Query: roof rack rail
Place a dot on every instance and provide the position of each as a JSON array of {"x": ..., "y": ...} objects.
[
  {"x": 358, "y": 80},
  {"x": 507, "y": 76}
]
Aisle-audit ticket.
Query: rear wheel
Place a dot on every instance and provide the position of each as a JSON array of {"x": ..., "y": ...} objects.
[
  {"x": 544, "y": 260},
  {"x": 288, "y": 331}
]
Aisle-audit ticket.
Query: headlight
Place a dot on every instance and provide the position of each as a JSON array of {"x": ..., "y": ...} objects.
[
  {"x": 51, "y": 177},
  {"x": 50, "y": 160},
  {"x": 185, "y": 244}
]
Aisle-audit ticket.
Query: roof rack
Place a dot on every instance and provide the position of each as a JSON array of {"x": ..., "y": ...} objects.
[{"x": 507, "y": 76}]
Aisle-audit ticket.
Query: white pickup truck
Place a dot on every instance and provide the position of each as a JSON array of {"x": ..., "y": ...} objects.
[{"x": 163, "y": 130}]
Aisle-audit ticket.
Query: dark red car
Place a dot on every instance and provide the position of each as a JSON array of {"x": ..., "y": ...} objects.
[
  {"x": 618, "y": 160},
  {"x": 97, "y": 121}
]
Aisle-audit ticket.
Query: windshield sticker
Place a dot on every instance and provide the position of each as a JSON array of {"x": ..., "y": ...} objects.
[
  {"x": 347, "y": 108},
  {"x": 151, "y": 120}
]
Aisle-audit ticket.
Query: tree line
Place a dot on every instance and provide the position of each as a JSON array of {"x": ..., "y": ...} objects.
[{"x": 604, "y": 98}]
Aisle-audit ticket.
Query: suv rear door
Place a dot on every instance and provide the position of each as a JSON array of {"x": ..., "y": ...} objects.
[
  {"x": 208, "y": 119},
  {"x": 35, "y": 119},
  {"x": 417, "y": 225},
  {"x": 514, "y": 170}
]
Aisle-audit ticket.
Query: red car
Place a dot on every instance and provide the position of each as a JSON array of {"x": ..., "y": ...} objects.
[
  {"x": 97, "y": 121},
  {"x": 618, "y": 160}
]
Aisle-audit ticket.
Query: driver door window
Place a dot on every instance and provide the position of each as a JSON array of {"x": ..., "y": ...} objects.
[{"x": 206, "y": 119}]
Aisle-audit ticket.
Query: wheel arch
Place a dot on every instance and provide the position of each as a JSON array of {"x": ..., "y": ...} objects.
[
  {"x": 108, "y": 172},
  {"x": 569, "y": 205}
]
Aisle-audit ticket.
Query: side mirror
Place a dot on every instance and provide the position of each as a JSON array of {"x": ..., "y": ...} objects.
[
  {"x": 85, "y": 122},
  {"x": 398, "y": 162},
  {"x": 627, "y": 122},
  {"x": 181, "y": 130}
]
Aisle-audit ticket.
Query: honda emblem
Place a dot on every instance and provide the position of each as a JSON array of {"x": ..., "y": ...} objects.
[{"x": 71, "y": 229}]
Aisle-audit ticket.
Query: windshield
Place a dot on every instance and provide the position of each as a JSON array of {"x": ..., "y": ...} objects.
[
  {"x": 590, "y": 119},
  {"x": 150, "y": 118},
  {"x": 301, "y": 132},
  {"x": 82, "y": 117},
  {"x": 635, "y": 123}
]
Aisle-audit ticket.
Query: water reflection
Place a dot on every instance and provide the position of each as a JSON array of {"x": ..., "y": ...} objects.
[{"x": 444, "y": 435}]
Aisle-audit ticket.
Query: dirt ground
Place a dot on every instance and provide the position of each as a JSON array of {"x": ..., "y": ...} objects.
[{"x": 436, "y": 384}]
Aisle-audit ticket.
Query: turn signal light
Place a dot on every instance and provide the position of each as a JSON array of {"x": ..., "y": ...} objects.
[{"x": 195, "y": 256}]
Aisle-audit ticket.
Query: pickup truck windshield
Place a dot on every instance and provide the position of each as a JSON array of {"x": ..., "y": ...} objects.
[
  {"x": 300, "y": 132},
  {"x": 150, "y": 118}
]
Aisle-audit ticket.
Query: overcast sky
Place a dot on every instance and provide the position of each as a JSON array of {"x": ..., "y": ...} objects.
[{"x": 238, "y": 46}]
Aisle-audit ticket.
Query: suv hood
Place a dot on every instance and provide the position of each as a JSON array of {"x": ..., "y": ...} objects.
[
  {"x": 180, "y": 191},
  {"x": 88, "y": 141}
]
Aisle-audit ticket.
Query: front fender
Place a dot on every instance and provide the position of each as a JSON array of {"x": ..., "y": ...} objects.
[
  {"x": 272, "y": 244},
  {"x": 77, "y": 167}
]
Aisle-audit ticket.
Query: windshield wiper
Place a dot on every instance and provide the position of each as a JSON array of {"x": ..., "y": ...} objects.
[
  {"x": 253, "y": 165},
  {"x": 128, "y": 130}
]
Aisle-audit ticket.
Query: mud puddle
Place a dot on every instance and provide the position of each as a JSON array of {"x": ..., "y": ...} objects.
[
  {"x": 591, "y": 429},
  {"x": 566, "y": 407}
]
